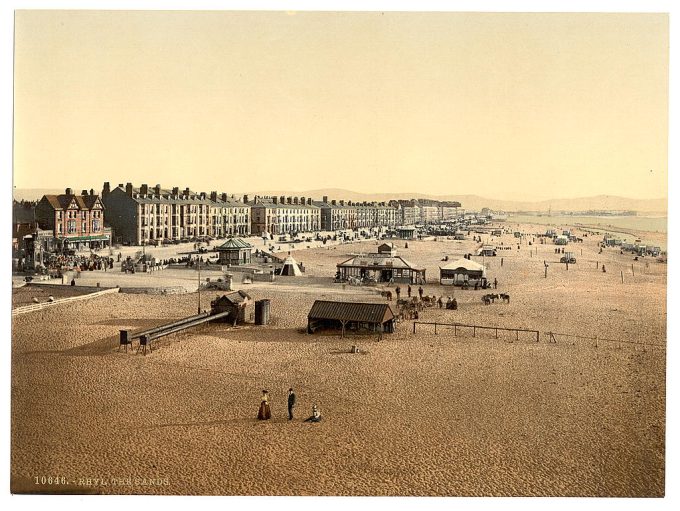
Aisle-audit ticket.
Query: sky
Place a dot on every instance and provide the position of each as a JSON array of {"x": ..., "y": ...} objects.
[{"x": 508, "y": 106}]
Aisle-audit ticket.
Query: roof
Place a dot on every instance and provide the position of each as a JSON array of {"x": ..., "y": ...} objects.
[
  {"x": 351, "y": 311},
  {"x": 377, "y": 261},
  {"x": 234, "y": 244},
  {"x": 266, "y": 202},
  {"x": 63, "y": 201},
  {"x": 463, "y": 264},
  {"x": 237, "y": 297}
]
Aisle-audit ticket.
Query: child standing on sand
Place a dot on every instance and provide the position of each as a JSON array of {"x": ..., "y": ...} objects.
[{"x": 265, "y": 412}]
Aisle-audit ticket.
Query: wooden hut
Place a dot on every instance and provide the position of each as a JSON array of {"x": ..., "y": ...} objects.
[
  {"x": 235, "y": 302},
  {"x": 462, "y": 272},
  {"x": 406, "y": 233},
  {"x": 234, "y": 252},
  {"x": 487, "y": 251},
  {"x": 387, "y": 249},
  {"x": 376, "y": 317},
  {"x": 381, "y": 268}
]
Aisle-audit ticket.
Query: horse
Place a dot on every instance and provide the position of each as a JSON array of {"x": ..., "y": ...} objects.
[
  {"x": 387, "y": 294},
  {"x": 505, "y": 297},
  {"x": 486, "y": 300}
]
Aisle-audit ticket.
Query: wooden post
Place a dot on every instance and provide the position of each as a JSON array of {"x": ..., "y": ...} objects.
[
  {"x": 546, "y": 271},
  {"x": 496, "y": 333},
  {"x": 567, "y": 263},
  {"x": 621, "y": 276},
  {"x": 474, "y": 331},
  {"x": 435, "y": 328},
  {"x": 414, "y": 327},
  {"x": 537, "y": 336},
  {"x": 632, "y": 267},
  {"x": 596, "y": 341},
  {"x": 597, "y": 265},
  {"x": 455, "y": 330}
]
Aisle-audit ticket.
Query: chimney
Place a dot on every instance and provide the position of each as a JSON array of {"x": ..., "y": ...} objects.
[
  {"x": 333, "y": 202},
  {"x": 186, "y": 191},
  {"x": 128, "y": 189},
  {"x": 325, "y": 198},
  {"x": 91, "y": 191},
  {"x": 289, "y": 200},
  {"x": 175, "y": 190},
  {"x": 68, "y": 191},
  {"x": 107, "y": 189},
  {"x": 283, "y": 200},
  {"x": 309, "y": 201},
  {"x": 144, "y": 189},
  {"x": 224, "y": 197},
  {"x": 276, "y": 200},
  {"x": 342, "y": 202},
  {"x": 121, "y": 185},
  {"x": 302, "y": 200},
  {"x": 203, "y": 195},
  {"x": 157, "y": 189},
  {"x": 245, "y": 199},
  {"x": 295, "y": 200},
  {"x": 83, "y": 192},
  {"x": 213, "y": 196}
]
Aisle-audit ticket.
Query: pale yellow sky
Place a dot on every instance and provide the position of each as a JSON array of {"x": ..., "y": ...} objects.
[{"x": 513, "y": 106}]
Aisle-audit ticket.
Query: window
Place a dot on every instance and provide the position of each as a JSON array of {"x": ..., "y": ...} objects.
[
  {"x": 71, "y": 227},
  {"x": 95, "y": 225}
]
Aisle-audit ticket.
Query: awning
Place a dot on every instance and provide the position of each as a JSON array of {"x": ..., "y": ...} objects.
[{"x": 87, "y": 238}]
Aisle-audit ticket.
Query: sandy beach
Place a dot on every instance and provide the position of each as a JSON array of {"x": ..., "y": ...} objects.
[{"x": 412, "y": 414}]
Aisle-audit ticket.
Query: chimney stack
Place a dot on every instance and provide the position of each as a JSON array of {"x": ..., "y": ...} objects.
[
  {"x": 83, "y": 192},
  {"x": 325, "y": 198},
  {"x": 245, "y": 199},
  {"x": 342, "y": 202},
  {"x": 157, "y": 189},
  {"x": 107, "y": 189},
  {"x": 295, "y": 200},
  {"x": 283, "y": 200},
  {"x": 223, "y": 197},
  {"x": 333, "y": 202},
  {"x": 309, "y": 201},
  {"x": 128, "y": 189},
  {"x": 68, "y": 191},
  {"x": 289, "y": 200},
  {"x": 144, "y": 189},
  {"x": 203, "y": 195},
  {"x": 213, "y": 196},
  {"x": 186, "y": 191},
  {"x": 91, "y": 191},
  {"x": 175, "y": 191},
  {"x": 275, "y": 200}
]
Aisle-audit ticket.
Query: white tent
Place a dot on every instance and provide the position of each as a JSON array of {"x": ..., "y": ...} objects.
[
  {"x": 290, "y": 267},
  {"x": 462, "y": 271}
]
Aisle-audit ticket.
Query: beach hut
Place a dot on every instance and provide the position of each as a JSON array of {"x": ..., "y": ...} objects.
[
  {"x": 461, "y": 272},
  {"x": 381, "y": 268},
  {"x": 290, "y": 267},
  {"x": 235, "y": 302},
  {"x": 234, "y": 252},
  {"x": 387, "y": 249},
  {"x": 406, "y": 233},
  {"x": 560, "y": 240},
  {"x": 487, "y": 251},
  {"x": 376, "y": 317}
]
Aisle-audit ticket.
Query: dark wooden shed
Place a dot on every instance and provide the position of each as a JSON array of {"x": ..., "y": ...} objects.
[
  {"x": 376, "y": 317},
  {"x": 235, "y": 302}
]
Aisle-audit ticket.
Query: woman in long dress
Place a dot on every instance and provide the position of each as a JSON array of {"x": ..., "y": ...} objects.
[{"x": 264, "y": 413}]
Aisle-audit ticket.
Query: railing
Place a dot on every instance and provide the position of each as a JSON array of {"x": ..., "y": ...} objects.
[
  {"x": 40, "y": 306},
  {"x": 456, "y": 326},
  {"x": 551, "y": 336}
]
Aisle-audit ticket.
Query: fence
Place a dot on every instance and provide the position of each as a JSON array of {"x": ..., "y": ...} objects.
[
  {"x": 552, "y": 337},
  {"x": 44, "y": 305},
  {"x": 456, "y": 326}
]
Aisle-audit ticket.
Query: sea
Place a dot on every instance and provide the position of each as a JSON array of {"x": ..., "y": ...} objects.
[{"x": 607, "y": 223}]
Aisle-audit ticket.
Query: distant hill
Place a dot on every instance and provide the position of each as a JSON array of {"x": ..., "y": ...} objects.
[
  {"x": 475, "y": 202},
  {"x": 470, "y": 202}
]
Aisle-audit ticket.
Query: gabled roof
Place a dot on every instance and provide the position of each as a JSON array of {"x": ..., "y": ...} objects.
[
  {"x": 63, "y": 201},
  {"x": 351, "y": 311},
  {"x": 237, "y": 297},
  {"x": 234, "y": 244},
  {"x": 378, "y": 261},
  {"x": 463, "y": 264}
]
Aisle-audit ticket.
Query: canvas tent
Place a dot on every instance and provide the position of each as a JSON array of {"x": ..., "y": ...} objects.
[{"x": 290, "y": 267}]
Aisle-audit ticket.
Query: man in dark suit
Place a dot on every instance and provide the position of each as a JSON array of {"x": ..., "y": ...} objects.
[{"x": 291, "y": 403}]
